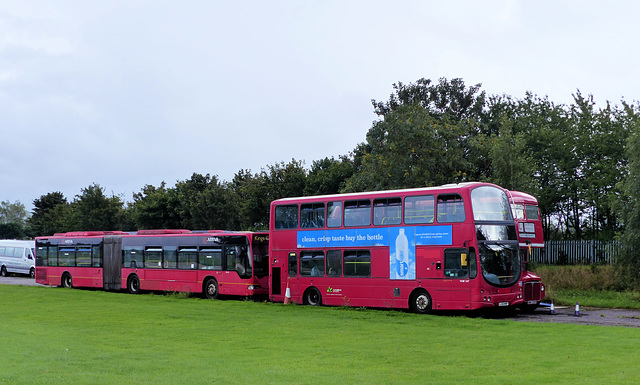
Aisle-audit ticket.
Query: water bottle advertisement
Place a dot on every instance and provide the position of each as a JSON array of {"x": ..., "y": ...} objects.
[{"x": 402, "y": 253}]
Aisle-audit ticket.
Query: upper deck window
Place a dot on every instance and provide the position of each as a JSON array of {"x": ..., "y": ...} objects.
[
  {"x": 490, "y": 204},
  {"x": 286, "y": 217},
  {"x": 450, "y": 208},
  {"x": 518, "y": 211},
  {"x": 334, "y": 219},
  {"x": 387, "y": 211},
  {"x": 419, "y": 209},
  {"x": 357, "y": 213},
  {"x": 312, "y": 215}
]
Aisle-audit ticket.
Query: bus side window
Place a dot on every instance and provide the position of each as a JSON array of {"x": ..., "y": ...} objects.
[
  {"x": 456, "y": 263},
  {"x": 334, "y": 263},
  {"x": 312, "y": 263},
  {"x": 387, "y": 211},
  {"x": 334, "y": 219},
  {"x": 357, "y": 213},
  {"x": 153, "y": 257},
  {"x": 473, "y": 264},
  {"x": 357, "y": 263},
  {"x": 419, "y": 209},
  {"x": 286, "y": 217},
  {"x": 293, "y": 264},
  {"x": 450, "y": 208},
  {"x": 312, "y": 215}
]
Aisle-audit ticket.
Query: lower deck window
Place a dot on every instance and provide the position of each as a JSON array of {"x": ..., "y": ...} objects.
[
  {"x": 210, "y": 258},
  {"x": 357, "y": 263},
  {"x": 312, "y": 263}
]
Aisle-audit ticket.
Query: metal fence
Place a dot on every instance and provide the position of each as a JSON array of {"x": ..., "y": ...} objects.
[{"x": 577, "y": 252}]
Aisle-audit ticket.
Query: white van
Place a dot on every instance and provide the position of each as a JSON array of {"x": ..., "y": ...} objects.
[{"x": 17, "y": 257}]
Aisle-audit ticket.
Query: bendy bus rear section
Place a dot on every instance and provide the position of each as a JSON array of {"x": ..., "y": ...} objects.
[{"x": 453, "y": 247}]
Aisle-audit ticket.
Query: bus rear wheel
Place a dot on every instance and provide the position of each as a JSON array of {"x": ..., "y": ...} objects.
[
  {"x": 3, "y": 271},
  {"x": 32, "y": 273},
  {"x": 421, "y": 302},
  {"x": 312, "y": 297},
  {"x": 133, "y": 284},
  {"x": 211, "y": 289},
  {"x": 67, "y": 281}
]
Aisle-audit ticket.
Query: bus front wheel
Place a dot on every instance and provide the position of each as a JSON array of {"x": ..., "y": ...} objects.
[
  {"x": 3, "y": 271},
  {"x": 211, "y": 289},
  {"x": 133, "y": 284},
  {"x": 421, "y": 302},
  {"x": 312, "y": 297},
  {"x": 67, "y": 281}
]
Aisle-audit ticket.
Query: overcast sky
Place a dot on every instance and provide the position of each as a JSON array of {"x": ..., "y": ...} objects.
[{"x": 129, "y": 93}]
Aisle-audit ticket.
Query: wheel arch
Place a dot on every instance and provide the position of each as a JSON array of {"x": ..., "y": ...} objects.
[{"x": 421, "y": 301}]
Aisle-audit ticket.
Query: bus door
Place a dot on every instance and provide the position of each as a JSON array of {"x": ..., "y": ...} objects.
[
  {"x": 112, "y": 262},
  {"x": 459, "y": 269},
  {"x": 281, "y": 269}
]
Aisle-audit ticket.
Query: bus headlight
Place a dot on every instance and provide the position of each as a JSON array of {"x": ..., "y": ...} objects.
[{"x": 254, "y": 287}]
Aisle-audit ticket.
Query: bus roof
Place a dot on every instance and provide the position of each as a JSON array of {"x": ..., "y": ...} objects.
[
  {"x": 522, "y": 198},
  {"x": 453, "y": 187}
]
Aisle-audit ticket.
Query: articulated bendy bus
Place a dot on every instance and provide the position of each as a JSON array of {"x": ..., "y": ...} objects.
[{"x": 211, "y": 263}]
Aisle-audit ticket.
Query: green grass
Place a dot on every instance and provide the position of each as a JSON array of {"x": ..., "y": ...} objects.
[{"x": 52, "y": 335}]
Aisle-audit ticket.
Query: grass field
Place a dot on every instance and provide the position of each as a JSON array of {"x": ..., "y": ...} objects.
[{"x": 53, "y": 335}]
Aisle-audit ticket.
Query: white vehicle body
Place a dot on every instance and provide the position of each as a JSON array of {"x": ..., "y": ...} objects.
[{"x": 17, "y": 257}]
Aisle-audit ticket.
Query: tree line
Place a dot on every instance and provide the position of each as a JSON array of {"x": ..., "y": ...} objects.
[{"x": 574, "y": 158}]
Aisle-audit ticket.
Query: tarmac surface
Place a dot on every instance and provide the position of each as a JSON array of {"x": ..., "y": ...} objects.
[
  {"x": 587, "y": 316},
  {"x": 563, "y": 314}
]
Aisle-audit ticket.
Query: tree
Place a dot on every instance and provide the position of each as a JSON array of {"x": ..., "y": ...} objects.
[
  {"x": 511, "y": 165},
  {"x": 252, "y": 194},
  {"x": 328, "y": 176},
  {"x": 155, "y": 208},
  {"x": 629, "y": 263},
  {"x": 203, "y": 203},
  {"x": 92, "y": 210},
  {"x": 447, "y": 99},
  {"x": 13, "y": 213},
  {"x": 411, "y": 148},
  {"x": 12, "y": 230},
  {"x": 49, "y": 214}
]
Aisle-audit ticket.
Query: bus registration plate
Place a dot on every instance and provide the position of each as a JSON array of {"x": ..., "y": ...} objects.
[{"x": 503, "y": 304}]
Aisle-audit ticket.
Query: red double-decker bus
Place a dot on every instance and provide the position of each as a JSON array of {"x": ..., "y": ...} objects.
[
  {"x": 530, "y": 236},
  {"x": 453, "y": 247},
  {"x": 211, "y": 263}
]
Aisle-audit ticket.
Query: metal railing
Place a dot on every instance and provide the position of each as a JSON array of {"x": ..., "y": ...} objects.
[{"x": 577, "y": 252}]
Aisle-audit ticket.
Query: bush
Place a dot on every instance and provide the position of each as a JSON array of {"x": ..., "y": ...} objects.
[{"x": 587, "y": 277}]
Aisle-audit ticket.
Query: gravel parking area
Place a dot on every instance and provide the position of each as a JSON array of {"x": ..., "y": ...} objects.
[
  {"x": 588, "y": 316},
  {"x": 18, "y": 280}
]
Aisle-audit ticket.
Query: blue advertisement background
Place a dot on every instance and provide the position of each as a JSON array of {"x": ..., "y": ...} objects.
[{"x": 374, "y": 236}]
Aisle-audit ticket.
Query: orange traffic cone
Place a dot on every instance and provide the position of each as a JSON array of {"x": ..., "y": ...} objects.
[{"x": 287, "y": 294}]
